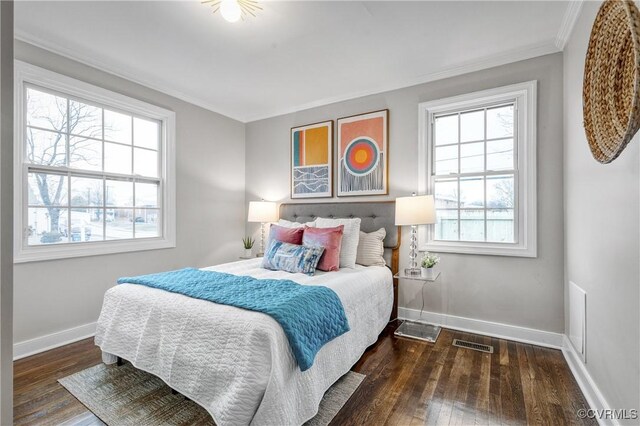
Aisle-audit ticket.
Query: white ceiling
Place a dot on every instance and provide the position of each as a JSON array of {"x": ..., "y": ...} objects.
[{"x": 294, "y": 55}]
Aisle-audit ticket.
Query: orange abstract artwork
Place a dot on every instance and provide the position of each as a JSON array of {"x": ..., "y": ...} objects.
[
  {"x": 362, "y": 154},
  {"x": 311, "y": 160}
]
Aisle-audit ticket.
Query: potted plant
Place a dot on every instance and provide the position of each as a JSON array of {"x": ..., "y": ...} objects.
[
  {"x": 429, "y": 261},
  {"x": 247, "y": 242}
]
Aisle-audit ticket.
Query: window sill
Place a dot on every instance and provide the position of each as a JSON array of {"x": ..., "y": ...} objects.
[
  {"x": 487, "y": 249},
  {"x": 53, "y": 252}
]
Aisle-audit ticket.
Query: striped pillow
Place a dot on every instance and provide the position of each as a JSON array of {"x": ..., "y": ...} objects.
[
  {"x": 292, "y": 258},
  {"x": 371, "y": 248}
]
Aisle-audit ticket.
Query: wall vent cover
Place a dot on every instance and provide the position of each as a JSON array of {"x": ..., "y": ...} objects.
[{"x": 475, "y": 346}]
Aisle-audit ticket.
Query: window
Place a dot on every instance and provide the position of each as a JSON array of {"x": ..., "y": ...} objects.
[
  {"x": 477, "y": 157},
  {"x": 94, "y": 170}
]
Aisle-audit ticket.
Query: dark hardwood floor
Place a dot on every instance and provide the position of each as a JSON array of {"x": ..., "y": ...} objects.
[
  {"x": 408, "y": 383},
  {"x": 38, "y": 399},
  {"x": 413, "y": 383}
]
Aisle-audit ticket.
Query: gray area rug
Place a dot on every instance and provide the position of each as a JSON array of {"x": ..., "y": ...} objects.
[{"x": 124, "y": 395}]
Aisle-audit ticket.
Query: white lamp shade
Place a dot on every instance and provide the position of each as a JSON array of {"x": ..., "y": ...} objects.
[
  {"x": 415, "y": 210},
  {"x": 262, "y": 211}
]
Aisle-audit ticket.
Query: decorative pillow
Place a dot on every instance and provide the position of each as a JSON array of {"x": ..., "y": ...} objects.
[
  {"x": 289, "y": 224},
  {"x": 330, "y": 239},
  {"x": 350, "y": 237},
  {"x": 284, "y": 234},
  {"x": 371, "y": 248},
  {"x": 292, "y": 258}
]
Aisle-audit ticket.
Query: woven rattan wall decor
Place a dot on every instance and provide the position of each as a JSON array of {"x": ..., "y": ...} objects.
[{"x": 611, "y": 98}]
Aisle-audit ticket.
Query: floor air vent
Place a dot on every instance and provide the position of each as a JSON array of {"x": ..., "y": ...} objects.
[{"x": 475, "y": 346}]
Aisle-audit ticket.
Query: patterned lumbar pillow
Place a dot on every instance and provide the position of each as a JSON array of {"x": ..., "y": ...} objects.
[
  {"x": 350, "y": 237},
  {"x": 292, "y": 258},
  {"x": 371, "y": 248}
]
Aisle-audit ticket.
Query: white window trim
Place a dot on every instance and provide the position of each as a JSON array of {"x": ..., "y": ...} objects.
[
  {"x": 525, "y": 95},
  {"x": 27, "y": 73}
]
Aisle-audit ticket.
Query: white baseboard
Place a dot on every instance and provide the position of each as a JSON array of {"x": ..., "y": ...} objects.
[
  {"x": 487, "y": 328},
  {"x": 53, "y": 340},
  {"x": 589, "y": 389}
]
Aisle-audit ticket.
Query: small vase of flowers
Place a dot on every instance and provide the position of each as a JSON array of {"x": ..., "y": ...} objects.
[
  {"x": 429, "y": 261},
  {"x": 247, "y": 242}
]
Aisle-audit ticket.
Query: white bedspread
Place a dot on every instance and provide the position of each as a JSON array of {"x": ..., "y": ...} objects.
[{"x": 237, "y": 363}]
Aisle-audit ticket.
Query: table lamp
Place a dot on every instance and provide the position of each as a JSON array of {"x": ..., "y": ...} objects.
[
  {"x": 414, "y": 210},
  {"x": 263, "y": 212}
]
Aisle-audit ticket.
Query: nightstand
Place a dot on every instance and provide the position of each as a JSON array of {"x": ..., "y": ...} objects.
[{"x": 417, "y": 329}]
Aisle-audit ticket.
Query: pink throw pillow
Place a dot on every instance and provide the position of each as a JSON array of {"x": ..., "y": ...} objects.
[
  {"x": 285, "y": 235},
  {"x": 330, "y": 239}
]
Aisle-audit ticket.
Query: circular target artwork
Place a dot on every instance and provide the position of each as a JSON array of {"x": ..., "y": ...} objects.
[
  {"x": 361, "y": 156},
  {"x": 363, "y": 162}
]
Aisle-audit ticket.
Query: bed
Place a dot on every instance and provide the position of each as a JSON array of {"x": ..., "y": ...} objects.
[{"x": 236, "y": 363}]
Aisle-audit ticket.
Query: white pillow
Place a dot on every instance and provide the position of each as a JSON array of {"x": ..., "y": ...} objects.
[
  {"x": 350, "y": 238},
  {"x": 371, "y": 248},
  {"x": 289, "y": 224}
]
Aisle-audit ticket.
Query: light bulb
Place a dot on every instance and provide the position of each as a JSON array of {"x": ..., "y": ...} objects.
[{"x": 230, "y": 10}]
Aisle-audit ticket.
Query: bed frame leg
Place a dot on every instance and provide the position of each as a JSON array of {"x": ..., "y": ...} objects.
[
  {"x": 119, "y": 362},
  {"x": 175, "y": 392}
]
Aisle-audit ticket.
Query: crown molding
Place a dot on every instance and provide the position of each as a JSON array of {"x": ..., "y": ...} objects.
[
  {"x": 568, "y": 23},
  {"x": 113, "y": 70},
  {"x": 515, "y": 55}
]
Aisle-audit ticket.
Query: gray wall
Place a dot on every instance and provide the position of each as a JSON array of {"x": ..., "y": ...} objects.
[
  {"x": 6, "y": 212},
  {"x": 517, "y": 291},
  {"x": 602, "y": 251},
  {"x": 56, "y": 295}
]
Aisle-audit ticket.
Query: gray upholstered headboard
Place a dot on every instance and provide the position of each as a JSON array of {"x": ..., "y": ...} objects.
[{"x": 374, "y": 215}]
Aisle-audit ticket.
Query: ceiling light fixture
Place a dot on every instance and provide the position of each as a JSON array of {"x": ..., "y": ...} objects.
[{"x": 233, "y": 10}]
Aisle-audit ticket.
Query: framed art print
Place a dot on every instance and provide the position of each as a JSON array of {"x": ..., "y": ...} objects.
[
  {"x": 363, "y": 160},
  {"x": 312, "y": 160}
]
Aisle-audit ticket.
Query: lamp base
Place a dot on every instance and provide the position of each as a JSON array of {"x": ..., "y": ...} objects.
[{"x": 412, "y": 272}]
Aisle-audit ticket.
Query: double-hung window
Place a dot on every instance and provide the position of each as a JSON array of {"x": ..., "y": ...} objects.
[
  {"x": 477, "y": 157},
  {"x": 94, "y": 169}
]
